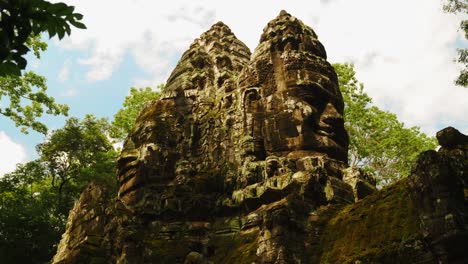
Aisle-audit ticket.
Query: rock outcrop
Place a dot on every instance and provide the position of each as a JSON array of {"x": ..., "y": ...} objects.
[
  {"x": 439, "y": 189},
  {"x": 244, "y": 160}
]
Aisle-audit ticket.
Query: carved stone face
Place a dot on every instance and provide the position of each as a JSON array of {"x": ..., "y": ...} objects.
[
  {"x": 300, "y": 105},
  {"x": 318, "y": 122},
  {"x": 298, "y": 112}
]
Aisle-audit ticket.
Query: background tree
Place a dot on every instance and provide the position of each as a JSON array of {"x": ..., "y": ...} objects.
[
  {"x": 36, "y": 198},
  {"x": 379, "y": 143},
  {"x": 125, "y": 118},
  {"x": 456, "y": 7},
  {"x": 21, "y": 19},
  {"x": 29, "y": 228},
  {"x": 76, "y": 153}
]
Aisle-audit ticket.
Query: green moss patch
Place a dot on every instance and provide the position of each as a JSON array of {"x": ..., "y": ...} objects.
[
  {"x": 165, "y": 251},
  {"x": 377, "y": 229},
  {"x": 236, "y": 248}
]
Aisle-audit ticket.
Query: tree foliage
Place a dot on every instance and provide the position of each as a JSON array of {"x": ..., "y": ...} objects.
[
  {"x": 27, "y": 101},
  {"x": 124, "y": 119},
  {"x": 379, "y": 142},
  {"x": 21, "y": 19},
  {"x": 76, "y": 152},
  {"x": 36, "y": 198},
  {"x": 455, "y": 7},
  {"x": 28, "y": 227},
  {"x": 24, "y": 98},
  {"x": 21, "y": 23}
]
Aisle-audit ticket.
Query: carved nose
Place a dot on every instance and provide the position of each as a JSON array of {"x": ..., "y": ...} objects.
[
  {"x": 331, "y": 117},
  {"x": 333, "y": 120}
]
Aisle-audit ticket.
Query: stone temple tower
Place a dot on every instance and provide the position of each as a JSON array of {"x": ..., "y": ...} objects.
[{"x": 243, "y": 159}]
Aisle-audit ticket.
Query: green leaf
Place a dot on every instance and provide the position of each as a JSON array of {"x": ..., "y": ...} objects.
[
  {"x": 57, "y": 8},
  {"x": 22, "y": 63},
  {"x": 60, "y": 32},
  {"x": 67, "y": 29},
  {"x": 78, "y": 16},
  {"x": 77, "y": 24},
  {"x": 4, "y": 39},
  {"x": 22, "y": 49},
  {"x": 8, "y": 68},
  {"x": 52, "y": 29}
]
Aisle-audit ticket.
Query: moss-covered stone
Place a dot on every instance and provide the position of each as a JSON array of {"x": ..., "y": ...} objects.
[
  {"x": 164, "y": 251},
  {"x": 378, "y": 229},
  {"x": 239, "y": 247}
]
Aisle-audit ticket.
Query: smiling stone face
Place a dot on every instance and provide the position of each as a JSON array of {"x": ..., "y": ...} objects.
[{"x": 297, "y": 99}]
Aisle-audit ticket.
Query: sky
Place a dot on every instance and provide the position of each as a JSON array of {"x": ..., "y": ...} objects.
[{"x": 403, "y": 52}]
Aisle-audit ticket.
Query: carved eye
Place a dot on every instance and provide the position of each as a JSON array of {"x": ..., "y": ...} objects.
[{"x": 310, "y": 94}]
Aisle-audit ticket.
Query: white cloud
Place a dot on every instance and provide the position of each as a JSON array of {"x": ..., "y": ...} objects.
[
  {"x": 11, "y": 153},
  {"x": 70, "y": 92},
  {"x": 102, "y": 64},
  {"x": 403, "y": 50},
  {"x": 152, "y": 34},
  {"x": 64, "y": 73}
]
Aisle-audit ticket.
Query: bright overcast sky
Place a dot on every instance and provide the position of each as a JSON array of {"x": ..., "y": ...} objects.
[{"x": 403, "y": 51}]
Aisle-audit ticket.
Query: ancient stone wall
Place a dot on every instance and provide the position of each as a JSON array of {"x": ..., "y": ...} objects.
[{"x": 244, "y": 160}]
